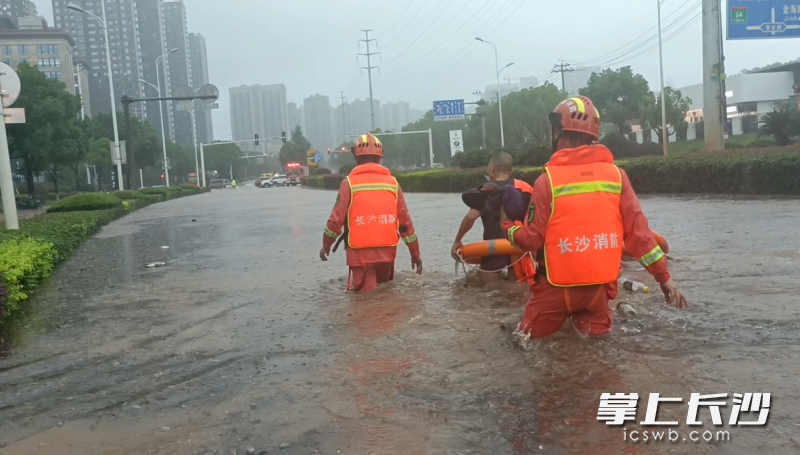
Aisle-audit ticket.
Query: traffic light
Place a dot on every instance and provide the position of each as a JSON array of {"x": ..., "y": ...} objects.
[
  {"x": 163, "y": 176},
  {"x": 283, "y": 136},
  {"x": 256, "y": 139},
  {"x": 344, "y": 149},
  {"x": 329, "y": 151}
]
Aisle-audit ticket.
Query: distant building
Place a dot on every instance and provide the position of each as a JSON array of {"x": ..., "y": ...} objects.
[
  {"x": 490, "y": 94},
  {"x": 295, "y": 116},
  {"x": 180, "y": 71},
  {"x": 28, "y": 39},
  {"x": 361, "y": 115},
  {"x": 748, "y": 97},
  {"x": 18, "y": 8},
  {"x": 576, "y": 79},
  {"x": 198, "y": 61},
  {"x": 151, "y": 35},
  {"x": 528, "y": 82},
  {"x": 317, "y": 112},
  {"x": 416, "y": 115},
  {"x": 395, "y": 115},
  {"x": 89, "y": 47},
  {"x": 259, "y": 109}
]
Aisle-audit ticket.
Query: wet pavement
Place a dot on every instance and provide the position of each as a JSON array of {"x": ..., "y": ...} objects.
[{"x": 246, "y": 343}]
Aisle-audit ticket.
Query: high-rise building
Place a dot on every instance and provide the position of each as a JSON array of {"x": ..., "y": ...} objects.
[
  {"x": 151, "y": 36},
  {"x": 258, "y": 109},
  {"x": 490, "y": 94},
  {"x": 528, "y": 82},
  {"x": 198, "y": 59},
  {"x": 361, "y": 115},
  {"x": 295, "y": 116},
  {"x": 90, "y": 47},
  {"x": 576, "y": 79},
  {"x": 317, "y": 111},
  {"x": 395, "y": 116},
  {"x": 18, "y": 8},
  {"x": 416, "y": 115},
  {"x": 27, "y": 39},
  {"x": 180, "y": 71}
]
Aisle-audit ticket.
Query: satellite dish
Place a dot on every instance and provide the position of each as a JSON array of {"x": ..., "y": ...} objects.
[
  {"x": 211, "y": 91},
  {"x": 9, "y": 84}
]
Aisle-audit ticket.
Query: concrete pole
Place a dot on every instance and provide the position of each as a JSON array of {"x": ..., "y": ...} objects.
[
  {"x": 483, "y": 129},
  {"x": 712, "y": 88},
  {"x": 7, "y": 179},
  {"x": 194, "y": 136},
  {"x": 117, "y": 150},
  {"x": 430, "y": 145},
  {"x": 203, "y": 164},
  {"x": 141, "y": 177},
  {"x": 161, "y": 115},
  {"x": 664, "y": 131}
]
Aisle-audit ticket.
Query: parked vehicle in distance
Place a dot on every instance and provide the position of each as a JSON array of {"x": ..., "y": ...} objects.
[
  {"x": 437, "y": 166},
  {"x": 219, "y": 184},
  {"x": 278, "y": 180}
]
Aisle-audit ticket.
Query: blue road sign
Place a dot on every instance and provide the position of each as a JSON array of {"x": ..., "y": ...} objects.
[
  {"x": 317, "y": 157},
  {"x": 449, "y": 110},
  {"x": 765, "y": 19}
]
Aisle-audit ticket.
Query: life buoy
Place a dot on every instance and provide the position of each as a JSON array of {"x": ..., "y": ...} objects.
[
  {"x": 473, "y": 252},
  {"x": 660, "y": 240}
]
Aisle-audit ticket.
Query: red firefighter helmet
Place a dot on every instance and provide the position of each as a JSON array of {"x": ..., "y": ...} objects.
[
  {"x": 367, "y": 144},
  {"x": 577, "y": 114}
]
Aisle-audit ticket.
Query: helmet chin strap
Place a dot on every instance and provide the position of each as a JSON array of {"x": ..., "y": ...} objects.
[{"x": 555, "y": 127}]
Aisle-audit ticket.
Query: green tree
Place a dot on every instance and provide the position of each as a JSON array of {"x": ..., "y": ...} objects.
[
  {"x": 52, "y": 137},
  {"x": 99, "y": 155},
  {"x": 295, "y": 150},
  {"x": 676, "y": 107},
  {"x": 620, "y": 95},
  {"x": 222, "y": 156},
  {"x": 783, "y": 124},
  {"x": 144, "y": 148}
]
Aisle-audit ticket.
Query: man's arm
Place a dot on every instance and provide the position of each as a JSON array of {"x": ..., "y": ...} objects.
[
  {"x": 530, "y": 237},
  {"x": 333, "y": 229},
  {"x": 637, "y": 235},
  {"x": 466, "y": 224},
  {"x": 407, "y": 232}
]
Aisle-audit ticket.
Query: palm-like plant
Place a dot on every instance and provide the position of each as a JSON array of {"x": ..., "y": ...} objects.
[{"x": 783, "y": 124}]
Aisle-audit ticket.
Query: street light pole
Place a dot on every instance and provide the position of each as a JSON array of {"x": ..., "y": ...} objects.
[
  {"x": 161, "y": 115},
  {"x": 499, "y": 99},
  {"x": 117, "y": 155},
  {"x": 664, "y": 132}
]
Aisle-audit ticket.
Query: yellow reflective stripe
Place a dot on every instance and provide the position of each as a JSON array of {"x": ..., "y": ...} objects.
[
  {"x": 511, "y": 233},
  {"x": 532, "y": 213},
  {"x": 587, "y": 187},
  {"x": 373, "y": 187},
  {"x": 652, "y": 257},
  {"x": 581, "y": 105},
  {"x": 330, "y": 233},
  {"x": 363, "y": 138},
  {"x": 409, "y": 239}
]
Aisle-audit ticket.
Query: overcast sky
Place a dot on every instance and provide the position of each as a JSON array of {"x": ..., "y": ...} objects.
[{"x": 428, "y": 50}]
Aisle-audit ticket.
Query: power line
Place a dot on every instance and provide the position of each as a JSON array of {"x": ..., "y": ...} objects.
[
  {"x": 433, "y": 22},
  {"x": 410, "y": 21},
  {"x": 369, "y": 69},
  {"x": 397, "y": 18}
]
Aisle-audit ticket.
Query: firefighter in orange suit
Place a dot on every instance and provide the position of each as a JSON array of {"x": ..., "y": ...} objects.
[
  {"x": 584, "y": 209},
  {"x": 372, "y": 211}
]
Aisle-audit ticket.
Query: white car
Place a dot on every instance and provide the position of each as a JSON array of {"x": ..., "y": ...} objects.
[{"x": 278, "y": 180}]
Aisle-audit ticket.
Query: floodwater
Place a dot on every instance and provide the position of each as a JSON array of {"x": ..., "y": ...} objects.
[{"x": 246, "y": 343}]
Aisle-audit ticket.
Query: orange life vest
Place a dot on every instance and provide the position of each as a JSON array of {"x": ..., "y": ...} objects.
[
  {"x": 523, "y": 269},
  {"x": 372, "y": 216},
  {"x": 583, "y": 242}
]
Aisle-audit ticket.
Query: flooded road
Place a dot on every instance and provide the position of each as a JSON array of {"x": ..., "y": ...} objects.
[{"x": 247, "y": 343}]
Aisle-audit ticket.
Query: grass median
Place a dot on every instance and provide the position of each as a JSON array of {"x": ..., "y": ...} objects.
[
  {"x": 29, "y": 255},
  {"x": 767, "y": 171}
]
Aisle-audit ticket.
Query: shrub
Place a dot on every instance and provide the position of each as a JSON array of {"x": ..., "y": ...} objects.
[
  {"x": 38, "y": 189},
  {"x": 346, "y": 168},
  {"x": 130, "y": 195},
  {"x": 621, "y": 146},
  {"x": 761, "y": 143},
  {"x": 24, "y": 263},
  {"x": 472, "y": 160},
  {"x": 649, "y": 149},
  {"x": 154, "y": 190},
  {"x": 89, "y": 201},
  {"x": 532, "y": 155},
  {"x": 153, "y": 198},
  {"x": 320, "y": 171}
]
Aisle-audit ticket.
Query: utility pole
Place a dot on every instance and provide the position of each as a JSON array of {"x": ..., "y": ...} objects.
[
  {"x": 714, "y": 116},
  {"x": 562, "y": 68},
  {"x": 344, "y": 126},
  {"x": 369, "y": 69}
]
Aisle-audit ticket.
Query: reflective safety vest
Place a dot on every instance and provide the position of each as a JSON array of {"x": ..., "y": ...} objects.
[
  {"x": 583, "y": 241},
  {"x": 372, "y": 215},
  {"x": 523, "y": 186}
]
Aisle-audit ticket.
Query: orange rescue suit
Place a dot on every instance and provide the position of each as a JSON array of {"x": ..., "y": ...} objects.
[
  {"x": 583, "y": 241},
  {"x": 524, "y": 268},
  {"x": 372, "y": 219}
]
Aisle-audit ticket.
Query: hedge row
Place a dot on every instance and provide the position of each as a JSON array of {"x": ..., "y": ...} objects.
[
  {"x": 762, "y": 171},
  {"x": 29, "y": 255}
]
